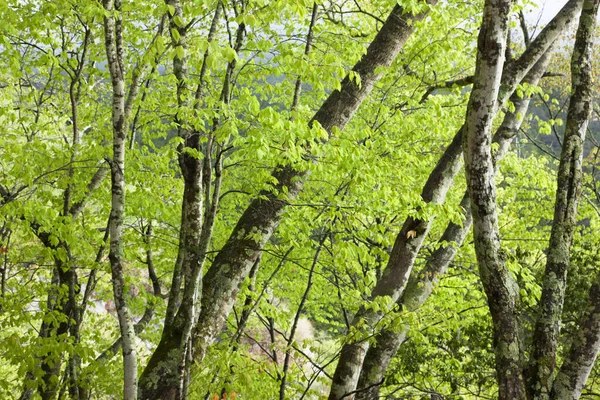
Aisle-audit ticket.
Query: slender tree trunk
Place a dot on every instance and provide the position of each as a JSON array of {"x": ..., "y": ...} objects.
[
  {"x": 64, "y": 269},
  {"x": 83, "y": 378},
  {"x": 74, "y": 364},
  {"x": 501, "y": 290},
  {"x": 63, "y": 302},
  {"x": 191, "y": 169},
  {"x": 5, "y": 234},
  {"x": 52, "y": 363},
  {"x": 307, "y": 48},
  {"x": 547, "y": 328},
  {"x": 288, "y": 349},
  {"x": 165, "y": 374},
  {"x": 580, "y": 359},
  {"x": 114, "y": 52},
  {"x": 419, "y": 286},
  {"x": 30, "y": 381}
]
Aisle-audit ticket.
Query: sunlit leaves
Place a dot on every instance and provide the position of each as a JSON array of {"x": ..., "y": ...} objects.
[{"x": 360, "y": 184}]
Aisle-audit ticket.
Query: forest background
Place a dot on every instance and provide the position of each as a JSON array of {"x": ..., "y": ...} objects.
[{"x": 265, "y": 199}]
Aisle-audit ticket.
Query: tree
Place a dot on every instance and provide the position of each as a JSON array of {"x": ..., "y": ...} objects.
[
  {"x": 284, "y": 196},
  {"x": 234, "y": 261},
  {"x": 480, "y": 182},
  {"x": 501, "y": 290},
  {"x": 411, "y": 237}
]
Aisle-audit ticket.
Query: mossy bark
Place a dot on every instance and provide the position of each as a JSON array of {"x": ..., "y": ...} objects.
[
  {"x": 420, "y": 285},
  {"x": 569, "y": 180},
  {"x": 528, "y": 68},
  {"x": 501, "y": 290},
  {"x": 580, "y": 359}
]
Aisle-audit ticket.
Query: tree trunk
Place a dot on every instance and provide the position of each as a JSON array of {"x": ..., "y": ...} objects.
[
  {"x": 190, "y": 257},
  {"x": 396, "y": 274},
  {"x": 501, "y": 290},
  {"x": 232, "y": 263},
  {"x": 406, "y": 246},
  {"x": 547, "y": 328},
  {"x": 580, "y": 359},
  {"x": 164, "y": 375},
  {"x": 290, "y": 340},
  {"x": 419, "y": 286},
  {"x": 64, "y": 270},
  {"x": 114, "y": 53}
]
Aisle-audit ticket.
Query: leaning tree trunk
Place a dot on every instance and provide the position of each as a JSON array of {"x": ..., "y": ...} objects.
[
  {"x": 396, "y": 274},
  {"x": 501, "y": 290},
  {"x": 232, "y": 264},
  {"x": 406, "y": 246},
  {"x": 420, "y": 286},
  {"x": 547, "y": 328}
]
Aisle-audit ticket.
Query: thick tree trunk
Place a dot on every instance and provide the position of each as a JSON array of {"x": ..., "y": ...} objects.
[
  {"x": 501, "y": 290},
  {"x": 67, "y": 305},
  {"x": 547, "y": 328},
  {"x": 45, "y": 330},
  {"x": 418, "y": 289},
  {"x": 233, "y": 262},
  {"x": 114, "y": 52},
  {"x": 376, "y": 362},
  {"x": 420, "y": 286},
  {"x": 190, "y": 258}
]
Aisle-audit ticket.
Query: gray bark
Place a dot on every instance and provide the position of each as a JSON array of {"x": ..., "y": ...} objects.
[
  {"x": 232, "y": 264},
  {"x": 395, "y": 275},
  {"x": 574, "y": 372},
  {"x": 406, "y": 247},
  {"x": 164, "y": 375},
  {"x": 501, "y": 290},
  {"x": 420, "y": 286},
  {"x": 569, "y": 179},
  {"x": 114, "y": 53}
]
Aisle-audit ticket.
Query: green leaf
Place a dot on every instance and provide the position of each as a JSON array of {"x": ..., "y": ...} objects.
[
  {"x": 178, "y": 21},
  {"x": 230, "y": 54},
  {"x": 179, "y": 52},
  {"x": 175, "y": 34}
]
